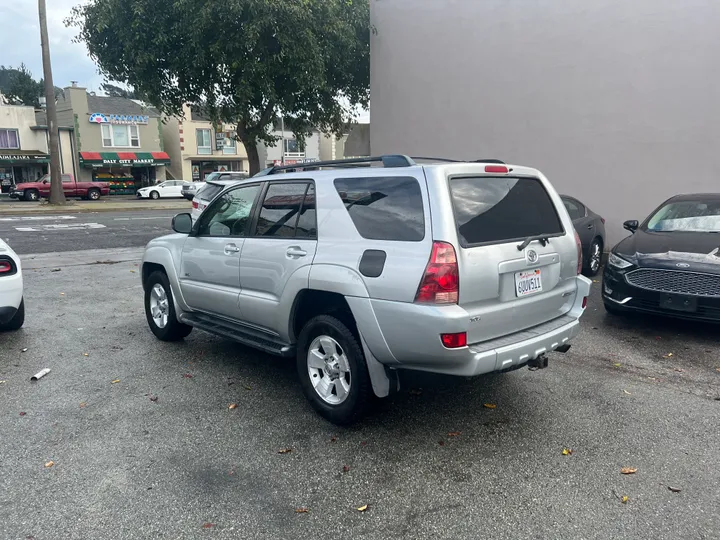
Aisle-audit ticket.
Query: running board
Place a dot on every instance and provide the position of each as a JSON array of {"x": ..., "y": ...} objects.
[{"x": 242, "y": 334}]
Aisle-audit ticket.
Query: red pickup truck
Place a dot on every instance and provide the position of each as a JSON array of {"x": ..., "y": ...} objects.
[{"x": 32, "y": 191}]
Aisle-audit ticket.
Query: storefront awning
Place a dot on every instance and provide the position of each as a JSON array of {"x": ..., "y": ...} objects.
[
  {"x": 123, "y": 159},
  {"x": 20, "y": 157}
]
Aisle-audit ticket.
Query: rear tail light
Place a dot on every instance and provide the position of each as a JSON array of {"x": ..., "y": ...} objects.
[
  {"x": 441, "y": 283},
  {"x": 454, "y": 341},
  {"x": 496, "y": 169},
  {"x": 579, "y": 252},
  {"x": 195, "y": 204},
  {"x": 603, "y": 220},
  {"x": 7, "y": 267},
  {"x": 584, "y": 304}
]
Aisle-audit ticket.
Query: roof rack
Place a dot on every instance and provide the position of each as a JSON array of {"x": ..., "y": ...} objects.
[
  {"x": 447, "y": 160},
  {"x": 388, "y": 161}
]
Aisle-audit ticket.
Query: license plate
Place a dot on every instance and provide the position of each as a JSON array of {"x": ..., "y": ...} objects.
[{"x": 529, "y": 282}]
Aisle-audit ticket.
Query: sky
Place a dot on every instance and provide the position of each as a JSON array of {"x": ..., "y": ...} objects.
[{"x": 20, "y": 43}]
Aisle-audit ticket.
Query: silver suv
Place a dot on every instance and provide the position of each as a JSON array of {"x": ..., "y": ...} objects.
[{"x": 358, "y": 271}]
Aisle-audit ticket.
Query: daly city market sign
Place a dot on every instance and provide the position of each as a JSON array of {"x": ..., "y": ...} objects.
[{"x": 100, "y": 118}]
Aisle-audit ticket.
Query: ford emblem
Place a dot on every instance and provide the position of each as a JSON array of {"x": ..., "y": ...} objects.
[
  {"x": 682, "y": 265},
  {"x": 532, "y": 256}
]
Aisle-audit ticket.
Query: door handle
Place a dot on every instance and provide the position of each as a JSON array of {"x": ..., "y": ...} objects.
[
  {"x": 295, "y": 251},
  {"x": 231, "y": 248}
]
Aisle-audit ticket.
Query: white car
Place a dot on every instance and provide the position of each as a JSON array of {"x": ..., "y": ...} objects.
[
  {"x": 12, "y": 305},
  {"x": 169, "y": 188}
]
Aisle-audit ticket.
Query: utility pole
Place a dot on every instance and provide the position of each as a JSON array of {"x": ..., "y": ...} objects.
[{"x": 57, "y": 196}]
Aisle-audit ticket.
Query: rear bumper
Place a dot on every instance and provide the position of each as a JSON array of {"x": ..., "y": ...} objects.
[
  {"x": 11, "y": 294},
  {"x": 407, "y": 336},
  {"x": 7, "y": 313}
]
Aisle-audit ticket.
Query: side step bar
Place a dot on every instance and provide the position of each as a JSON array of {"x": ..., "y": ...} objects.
[{"x": 242, "y": 334}]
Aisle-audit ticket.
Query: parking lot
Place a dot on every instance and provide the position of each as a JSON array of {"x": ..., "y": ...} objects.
[{"x": 144, "y": 444}]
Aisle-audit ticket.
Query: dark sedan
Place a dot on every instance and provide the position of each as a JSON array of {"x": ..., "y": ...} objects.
[
  {"x": 591, "y": 229},
  {"x": 671, "y": 263}
]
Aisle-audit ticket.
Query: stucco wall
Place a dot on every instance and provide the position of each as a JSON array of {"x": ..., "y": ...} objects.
[
  {"x": 271, "y": 153},
  {"x": 617, "y": 102},
  {"x": 22, "y": 118}
]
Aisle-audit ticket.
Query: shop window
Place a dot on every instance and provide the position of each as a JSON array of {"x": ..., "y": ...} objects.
[
  {"x": 292, "y": 148},
  {"x": 9, "y": 139},
  {"x": 120, "y": 136},
  {"x": 229, "y": 146},
  {"x": 204, "y": 146}
]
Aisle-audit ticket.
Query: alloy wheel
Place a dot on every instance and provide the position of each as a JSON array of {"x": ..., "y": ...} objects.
[
  {"x": 329, "y": 370},
  {"x": 159, "y": 306}
]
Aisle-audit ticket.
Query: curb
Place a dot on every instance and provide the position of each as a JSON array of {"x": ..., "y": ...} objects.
[{"x": 78, "y": 209}]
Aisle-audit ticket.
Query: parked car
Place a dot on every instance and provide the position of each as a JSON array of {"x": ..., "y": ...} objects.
[
  {"x": 214, "y": 184},
  {"x": 12, "y": 305},
  {"x": 591, "y": 228},
  {"x": 33, "y": 191},
  {"x": 190, "y": 189},
  {"x": 167, "y": 189},
  {"x": 670, "y": 265},
  {"x": 360, "y": 272}
]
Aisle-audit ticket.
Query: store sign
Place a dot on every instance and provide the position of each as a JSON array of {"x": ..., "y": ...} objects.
[
  {"x": 36, "y": 158},
  {"x": 219, "y": 140},
  {"x": 128, "y": 161},
  {"x": 279, "y": 163},
  {"x": 100, "y": 118},
  {"x": 196, "y": 172}
]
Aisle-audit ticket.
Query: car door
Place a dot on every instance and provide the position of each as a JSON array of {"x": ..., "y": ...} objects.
[
  {"x": 210, "y": 261},
  {"x": 278, "y": 253},
  {"x": 584, "y": 224},
  {"x": 176, "y": 188},
  {"x": 69, "y": 187}
]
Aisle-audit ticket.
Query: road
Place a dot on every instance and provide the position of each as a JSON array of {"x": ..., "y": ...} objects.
[
  {"x": 430, "y": 462},
  {"x": 60, "y": 232}
]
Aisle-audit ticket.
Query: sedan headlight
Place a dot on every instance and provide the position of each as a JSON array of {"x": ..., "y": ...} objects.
[{"x": 618, "y": 262}]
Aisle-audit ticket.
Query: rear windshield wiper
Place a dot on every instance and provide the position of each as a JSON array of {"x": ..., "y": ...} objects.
[{"x": 544, "y": 239}]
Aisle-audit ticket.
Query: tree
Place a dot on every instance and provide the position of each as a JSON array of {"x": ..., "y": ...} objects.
[
  {"x": 116, "y": 91},
  {"x": 245, "y": 62},
  {"x": 19, "y": 87}
]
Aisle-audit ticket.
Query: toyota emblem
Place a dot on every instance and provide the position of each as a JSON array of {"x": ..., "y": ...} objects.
[
  {"x": 532, "y": 256},
  {"x": 682, "y": 265}
]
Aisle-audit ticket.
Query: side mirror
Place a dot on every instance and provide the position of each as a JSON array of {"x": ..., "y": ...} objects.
[
  {"x": 631, "y": 225},
  {"x": 45, "y": 181},
  {"x": 182, "y": 223}
]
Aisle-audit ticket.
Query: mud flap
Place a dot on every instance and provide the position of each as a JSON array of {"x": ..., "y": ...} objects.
[{"x": 384, "y": 381}]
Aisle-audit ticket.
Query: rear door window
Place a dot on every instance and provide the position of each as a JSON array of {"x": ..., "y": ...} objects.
[
  {"x": 491, "y": 210},
  {"x": 384, "y": 208},
  {"x": 285, "y": 206}
]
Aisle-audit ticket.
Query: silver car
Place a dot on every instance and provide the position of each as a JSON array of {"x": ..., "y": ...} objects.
[
  {"x": 358, "y": 272},
  {"x": 213, "y": 185}
]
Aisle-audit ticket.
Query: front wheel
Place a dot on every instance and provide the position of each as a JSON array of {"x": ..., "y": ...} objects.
[
  {"x": 31, "y": 195},
  {"x": 154, "y": 195},
  {"x": 332, "y": 370},
  {"x": 592, "y": 266},
  {"x": 18, "y": 319},
  {"x": 160, "y": 309}
]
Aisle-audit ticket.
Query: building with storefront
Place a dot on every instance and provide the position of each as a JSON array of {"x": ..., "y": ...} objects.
[
  {"x": 197, "y": 147},
  {"x": 609, "y": 99},
  {"x": 118, "y": 140},
  {"x": 24, "y": 154},
  {"x": 288, "y": 150}
]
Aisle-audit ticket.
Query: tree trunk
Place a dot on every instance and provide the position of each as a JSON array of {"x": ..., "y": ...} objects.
[
  {"x": 56, "y": 190},
  {"x": 253, "y": 158}
]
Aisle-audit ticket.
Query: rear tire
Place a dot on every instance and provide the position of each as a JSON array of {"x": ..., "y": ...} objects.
[
  {"x": 594, "y": 262},
  {"x": 339, "y": 365},
  {"x": 18, "y": 319},
  {"x": 154, "y": 195},
  {"x": 93, "y": 194},
  {"x": 160, "y": 309}
]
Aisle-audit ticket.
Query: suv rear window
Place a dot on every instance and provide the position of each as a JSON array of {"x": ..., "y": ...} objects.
[
  {"x": 384, "y": 208},
  {"x": 210, "y": 191},
  {"x": 502, "y": 209}
]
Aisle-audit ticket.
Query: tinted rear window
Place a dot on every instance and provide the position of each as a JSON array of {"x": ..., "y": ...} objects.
[
  {"x": 210, "y": 191},
  {"x": 384, "y": 208},
  {"x": 497, "y": 209}
]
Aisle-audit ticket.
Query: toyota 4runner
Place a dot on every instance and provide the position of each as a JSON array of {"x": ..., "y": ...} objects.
[{"x": 358, "y": 271}]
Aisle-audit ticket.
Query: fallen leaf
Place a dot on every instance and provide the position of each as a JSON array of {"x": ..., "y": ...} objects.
[
  {"x": 82, "y": 405},
  {"x": 333, "y": 438},
  {"x": 658, "y": 337},
  {"x": 187, "y": 375},
  {"x": 132, "y": 271},
  {"x": 628, "y": 393},
  {"x": 115, "y": 381},
  {"x": 23, "y": 349},
  {"x": 3, "y": 382},
  {"x": 441, "y": 443},
  {"x": 62, "y": 294},
  {"x": 679, "y": 370},
  {"x": 363, "y": 443},
  {"x": 208, "y": 525},
  {"x": 22, "y": 413},
  {"x": 285, "y": 451},
  {"x": 674, "y": 489},
  {"x": 668, "y": 355},
  {"x": 489, "y": 405},
  {"x": 232, "y": 406},
  {"x": 85, "y": 354},
  {"x": 628, "y": 470},
  {"x": 595, "y": 281},
  {"x": 49, "y": 464},
  {"x": 454, "y": 433},
  {"x": 55, "y": 270},
  {"x": 717, "y": 369},
  {"x": 301, "y": 510},
  {"x": 567, "y": 452},
  {"x": 616, "y": 364},
  {"x": 624, "y": 499},
  {"x": 362, "y": 508},
  {"x": 153, "y": 398},
  {"x": 346, "y": 468},
  {"x": 247, "y": 387}
]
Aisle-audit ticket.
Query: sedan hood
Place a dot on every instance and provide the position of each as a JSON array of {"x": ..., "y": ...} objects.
[{"x": 690, "y": 251}]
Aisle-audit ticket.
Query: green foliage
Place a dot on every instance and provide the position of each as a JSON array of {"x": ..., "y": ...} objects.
[
  {"x": 243, "y": 61},
  {"x": 117, "y": 91},
  {"x": 19, "y": 87}
]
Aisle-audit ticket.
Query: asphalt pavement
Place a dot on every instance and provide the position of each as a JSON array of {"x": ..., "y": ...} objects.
[
  {"x": 143, "y": 443},
  {"x": 63, "y": 231}
]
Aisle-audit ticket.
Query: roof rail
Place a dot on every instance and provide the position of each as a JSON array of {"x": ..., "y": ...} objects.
[
  {"x": 447, "y": 160},
  {"x": 490, "y": 161},
  {"x": 388, "y": 161}
]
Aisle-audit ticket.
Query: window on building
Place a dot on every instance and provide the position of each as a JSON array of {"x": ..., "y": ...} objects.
[
  {"x": 204, "y": 145},
  {"x": 229, "y": 146},
  {"x": 120, "y": 136},
  {"x": 9, "y": 139},
  {"x": 292, "y": 148}
]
